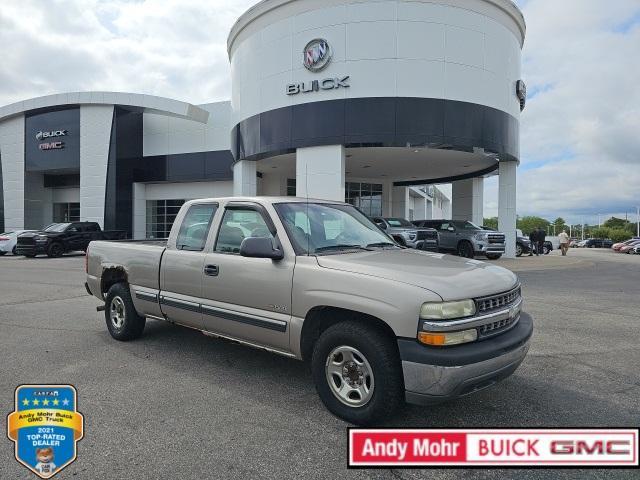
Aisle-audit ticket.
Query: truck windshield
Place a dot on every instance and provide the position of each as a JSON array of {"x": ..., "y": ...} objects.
[
  {"x": 466, "y": 226},
  {"x": 57, "y": 227},
  {"x": 323, "y": 228},
  {"x": 400, "y": 222}
]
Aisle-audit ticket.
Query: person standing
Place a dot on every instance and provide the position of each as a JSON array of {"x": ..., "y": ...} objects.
[
  {"x": 564, "y": 242},
  {"x": 532, "y": 239},
  {"x": 540, "y": 237}
]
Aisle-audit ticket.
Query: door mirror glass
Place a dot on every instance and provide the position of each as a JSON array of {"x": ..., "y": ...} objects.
[
  {"x": 260, "y": 247},
  {"x": 451, "y": 228}
]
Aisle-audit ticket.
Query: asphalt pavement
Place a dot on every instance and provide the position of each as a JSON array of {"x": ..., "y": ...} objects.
[{"x": 177, "y": 404}]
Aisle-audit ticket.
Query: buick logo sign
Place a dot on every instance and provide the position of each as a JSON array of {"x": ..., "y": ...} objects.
[
  {"x": 316, "y": 54},
  {"x": 53, "y": 133}
]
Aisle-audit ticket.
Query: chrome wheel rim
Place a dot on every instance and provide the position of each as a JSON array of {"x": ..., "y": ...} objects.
[
  {"x": 350, "y": 376},
  {"x": 117, "y": 312},
  {"x": 518, "y": 250}
]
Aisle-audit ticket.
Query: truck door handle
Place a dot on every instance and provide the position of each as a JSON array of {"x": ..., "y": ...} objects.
[{"x": 211, "y": 270}]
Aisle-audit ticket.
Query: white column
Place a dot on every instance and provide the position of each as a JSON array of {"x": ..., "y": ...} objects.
[
  {"x": 12, "y": 156},
  {"x": 139, "y": 211},
  {"x": 320, "y": 172},
  {"x": 95, "y": 135},
  {"x": 507, "y": 205},
  {"x": 400, "y": 207},
  {"x": 468, "y": 200},
  {"x": 245, "y": 183}
]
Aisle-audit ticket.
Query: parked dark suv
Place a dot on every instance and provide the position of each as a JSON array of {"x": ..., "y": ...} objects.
[
  {"x": 598, "y": 243},
  {"x": 60, "y": 238}
]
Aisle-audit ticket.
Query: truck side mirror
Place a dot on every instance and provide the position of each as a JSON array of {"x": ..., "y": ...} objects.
[
  {"x": 260, "y": 247},
  {"x": 451, "y": 229}
]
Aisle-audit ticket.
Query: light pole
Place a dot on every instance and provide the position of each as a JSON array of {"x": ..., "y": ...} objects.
[{"x": 638, "y": 221}]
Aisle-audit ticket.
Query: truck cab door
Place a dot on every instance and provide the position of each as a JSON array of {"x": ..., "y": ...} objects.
[
  {"x": 245, "y": 298},
  {"x": 73, "y": 237},
  {"x": 448, "y": 237},
  {"x": 181, "y": 267}
]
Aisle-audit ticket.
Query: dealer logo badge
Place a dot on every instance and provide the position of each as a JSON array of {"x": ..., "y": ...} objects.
[
  {"x": 45, "y": 427},
  {"x": 317, "y": 54}
]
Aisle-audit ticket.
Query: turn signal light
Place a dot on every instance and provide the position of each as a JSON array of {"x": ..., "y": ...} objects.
[{"x": 448, "y": 338}]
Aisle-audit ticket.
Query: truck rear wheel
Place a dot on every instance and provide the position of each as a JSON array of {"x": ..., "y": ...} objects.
[
  {"x": 357, "y": 373},
  {"x": 123, "y": 322}
]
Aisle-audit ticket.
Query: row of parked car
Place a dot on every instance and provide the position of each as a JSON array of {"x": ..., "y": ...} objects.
[
  {"x": 56, "y": 239},
  {"x": 631, "y": 246}
]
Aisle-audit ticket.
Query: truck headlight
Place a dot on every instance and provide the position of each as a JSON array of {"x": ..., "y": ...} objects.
[
  {"x": 447, "y": 310},
  {"x": 40, "y": 238},
  {"x": 412, "y": 235},
  {"x": 448, "y": 338},
  {"x": 481, "y": 237}
]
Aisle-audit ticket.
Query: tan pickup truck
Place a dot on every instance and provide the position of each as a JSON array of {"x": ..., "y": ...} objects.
[{"x": 319, "y": 282}]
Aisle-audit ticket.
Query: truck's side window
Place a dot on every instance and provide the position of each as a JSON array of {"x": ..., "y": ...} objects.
[
  {"x": 195, "y": 227},
  {"x": 238, "y": 224}
]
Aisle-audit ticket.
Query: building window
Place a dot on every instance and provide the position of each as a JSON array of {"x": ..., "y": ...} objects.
[
  {"x": 291, "y": 187},
  {"x": 366, "y": 196},
  {"x": 160, "y": 217},
  {"x": 66, "y": 212}
]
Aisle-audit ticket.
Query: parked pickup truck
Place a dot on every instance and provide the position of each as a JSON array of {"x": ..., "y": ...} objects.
[
  {"x": 318, "y": 281},
  {"x": 466, "y": 239},
  {"x": 60, "y": 238},
  {"x": 407, "y": 234}
]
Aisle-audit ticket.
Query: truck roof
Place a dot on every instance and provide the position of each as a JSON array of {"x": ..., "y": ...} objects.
[{"x": 264, "y": 200}]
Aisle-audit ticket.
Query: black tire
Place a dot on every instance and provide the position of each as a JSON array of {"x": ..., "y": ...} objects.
[
  {"x": 55, "y": 250},
  {"x": 465, "y": 249},
  {"x": 519, "y": 250},
  {"x": 400, "y": 241},
  {"x": 380, "y": 352},
  {"x": 14, "y": 251},
  {"x": 132, "y": 324},
  {"x": 30, "y": 255},
  {"x": 546, "y": 250},
  {"x": 494, "y": 256}
]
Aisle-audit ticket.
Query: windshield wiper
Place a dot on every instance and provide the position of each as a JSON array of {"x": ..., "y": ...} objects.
[
  {"x": 381, "y": 244},
  {"x": 329, "y": 248}
]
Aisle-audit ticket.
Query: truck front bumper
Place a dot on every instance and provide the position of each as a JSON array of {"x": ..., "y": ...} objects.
[{"x": 433, "y": 375}]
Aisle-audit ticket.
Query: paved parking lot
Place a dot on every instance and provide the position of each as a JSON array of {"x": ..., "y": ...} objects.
[{"x": 177, "y": 404}]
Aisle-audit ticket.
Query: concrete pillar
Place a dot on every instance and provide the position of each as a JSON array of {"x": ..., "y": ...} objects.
[
  {"x": 245, "y": 183},
  {"x": 139, "y": 211},
  {"x": 400, "y": 202},
  {"x": 320, "y": 172},
  {"x": 468, "y": 200},
  {"x": 507, "y": 205},
  {"x": 12, "y": 174},
  {"x": 95, "y": 136}
]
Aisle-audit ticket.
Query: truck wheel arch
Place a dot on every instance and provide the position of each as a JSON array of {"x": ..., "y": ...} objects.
[
  {"x": 319, "y": 318},
  {"x": 111, "y": 276}
]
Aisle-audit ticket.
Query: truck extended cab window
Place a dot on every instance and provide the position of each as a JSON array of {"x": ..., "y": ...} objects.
[
  {"x": 238, "y": 224},
  {"x": 195, "y": 227}
]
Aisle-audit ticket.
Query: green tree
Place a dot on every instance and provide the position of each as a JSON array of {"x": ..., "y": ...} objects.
[
  {"x": 601, "y": 232},
  {"x": 528, "y": 224},
  {"x": 491, "y": 222},
  {"x": 617, "y": 223}
]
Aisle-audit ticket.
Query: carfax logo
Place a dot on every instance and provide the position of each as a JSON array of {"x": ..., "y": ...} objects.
[{"x": 45, "y": 427}]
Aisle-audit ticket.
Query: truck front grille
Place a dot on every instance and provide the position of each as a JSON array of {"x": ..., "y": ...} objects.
[
  {"x": 495, "y": 302},
  {"x": 494, "y": 328},
  {"x": 427, "y": 234},
  {"x": 26, "y": 241},
  {"x": 495, "y": 238}
]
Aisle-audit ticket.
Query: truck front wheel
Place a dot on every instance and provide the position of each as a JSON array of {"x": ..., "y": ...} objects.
[
  {"x": 357, "y": 373},
  {"x": 55, "y": 250},
  {"x": 123, "y": 322}
]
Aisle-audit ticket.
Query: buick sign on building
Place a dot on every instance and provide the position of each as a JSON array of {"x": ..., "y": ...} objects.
[{"x": 364, "y": 101}]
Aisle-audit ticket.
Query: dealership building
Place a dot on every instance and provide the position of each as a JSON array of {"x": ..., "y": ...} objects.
[{"x": 372, "y": 102}]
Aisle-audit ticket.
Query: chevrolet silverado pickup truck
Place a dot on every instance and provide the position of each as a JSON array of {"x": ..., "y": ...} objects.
[
  {"x": 60, "y": 238},
  {"x": 318, "y": 281}
]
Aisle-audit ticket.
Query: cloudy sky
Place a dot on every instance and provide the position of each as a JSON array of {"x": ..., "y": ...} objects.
[{"x": 580, "y": 130}]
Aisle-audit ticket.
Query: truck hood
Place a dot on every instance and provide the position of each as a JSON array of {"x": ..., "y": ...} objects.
[
  {"x": 42, "y": 233},
  {"x": 453, "y": 278}
]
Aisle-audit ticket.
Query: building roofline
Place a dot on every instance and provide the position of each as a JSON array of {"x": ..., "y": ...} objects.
[
  {"x": 147, "y": 103},
  {"x": 264, "y": 6}
]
